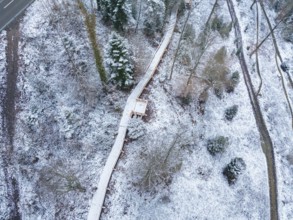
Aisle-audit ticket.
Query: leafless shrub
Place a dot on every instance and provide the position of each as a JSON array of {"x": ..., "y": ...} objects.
[
  {"x": 58, "y": 179},
  {"x": 216, "y": 71},
  {"x": 204, "y": 172},
  {"x": 136, "y": 128},
  {"x": 202, "y": 99},
  {"x": 159, "y": 167},
  {"x": 290, "y": 157}
]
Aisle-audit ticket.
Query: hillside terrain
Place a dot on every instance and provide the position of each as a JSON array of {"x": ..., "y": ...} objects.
[{"x": 215, "y": 142}]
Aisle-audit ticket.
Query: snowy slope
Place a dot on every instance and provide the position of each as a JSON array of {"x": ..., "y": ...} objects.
[
  {"x": 3, "y": 43},
  {"x": 67, "y": 123},
  {"x": 273, "y": 101},
  {"x": 198, "y": 190}
]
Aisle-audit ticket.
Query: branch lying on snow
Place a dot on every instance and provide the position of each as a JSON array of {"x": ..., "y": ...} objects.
[
  {"x": 284, "y": 88},
  {"x": 269, "y": 34},
  {"x": 273, "y": 36},
  {"x": 256, "y": 53},
  {"x": 178, "y": 46}
]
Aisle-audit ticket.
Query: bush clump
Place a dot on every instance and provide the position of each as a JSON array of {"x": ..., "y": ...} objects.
[
  {"x": 234, "y": 169},
  {"x": 185, "y": 99},
  {"x": 159, "y": 168},
  {"x": 219, "y": 25},
  {"x": 218, "y": 91},
  {"x": 232, "y": 82},
  {"x": 217, "y": 145},
  {"x": 136, "y": 129},
  {"x": 154, "y": 21},
  {"x": 231, "y": 112},
  {"x": 216, "y": 72},
  {"x": 235, "y": 78}
]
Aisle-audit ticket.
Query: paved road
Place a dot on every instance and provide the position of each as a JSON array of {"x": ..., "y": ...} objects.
[
  {"x": 10, "y": 9},
  {"x": 99, "y": 196}
]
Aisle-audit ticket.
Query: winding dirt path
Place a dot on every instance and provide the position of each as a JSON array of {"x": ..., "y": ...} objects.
[
  {"x": 266, "y": 141},
  {"x": 278, "y": 56},
  {"x": 99, "y": 196},
  {"x": 8, "y": 122}
]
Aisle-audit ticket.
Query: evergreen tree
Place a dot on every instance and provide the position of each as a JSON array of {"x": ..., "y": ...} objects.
[
  {"x": 217, "y": 145},
  {"x": 113, "y": 11},
  {"x": 119, "y": 16},
  {"x": 231, "y": 112},
  {"x": 234, "y": 169},
  {"x": 119, "y": 63},
  {"x": 99, "y": 5},
  {"x": 155, "y": 12},
  {"x": 105, "y": 8}
]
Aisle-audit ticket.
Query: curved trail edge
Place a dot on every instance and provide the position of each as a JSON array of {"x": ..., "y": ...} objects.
[{"x": 99, "y": 196}]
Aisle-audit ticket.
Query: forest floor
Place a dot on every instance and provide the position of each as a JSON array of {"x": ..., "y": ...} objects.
[{"x": 64, "y": 123}]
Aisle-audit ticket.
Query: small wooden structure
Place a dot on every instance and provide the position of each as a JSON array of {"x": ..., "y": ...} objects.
[
  {"x": 188, "y": 4},
  {"x": 140, "y": 107}
]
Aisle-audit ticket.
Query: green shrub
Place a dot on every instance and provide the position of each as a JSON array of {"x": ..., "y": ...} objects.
[
  {"x": 182, "y": 8},
  {"x": 225, "y": 30},
  {"x": 231, "y": 112},
  {"x": 134, "y": 12},
  {"x": 185, "y": 99},
  {"x": 218, "y": 90},
  {"x": 287, "y": 33},
  {"x": 219, "y": 25},
  {"x": 232, "y": 82},
  {"x": 154, "y": 19},
  {"x": 217, "y": 145},
  {"x": 290, "y": 157},
  {"x": 114, "y": 11},
  {"x": 234, "y": 169},
  {"x": 235, "y": 78}
]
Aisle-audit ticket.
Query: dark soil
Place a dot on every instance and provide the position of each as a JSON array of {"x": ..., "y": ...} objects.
[{"x": 8, "y": 121}]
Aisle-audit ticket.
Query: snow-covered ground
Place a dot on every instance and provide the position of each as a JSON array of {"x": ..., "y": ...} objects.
[
  {"x": 3, "y": 41},
  {"x": 273, "y": 100},
  {"x": 2, "y": 65},
  {"x": 66, "y": 124},
  {"x": 198, "y": 190},
  {"x": 2, "y": 60}
]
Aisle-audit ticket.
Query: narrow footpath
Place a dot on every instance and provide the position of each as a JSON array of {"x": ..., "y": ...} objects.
[
  {"x": 266, "y": 141},
  {"x": 8, "y": 122},
  {"x": 99, "y": 196}
]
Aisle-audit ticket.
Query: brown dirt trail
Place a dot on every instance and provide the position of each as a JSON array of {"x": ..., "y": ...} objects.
[{"x": 8, "y": 122}]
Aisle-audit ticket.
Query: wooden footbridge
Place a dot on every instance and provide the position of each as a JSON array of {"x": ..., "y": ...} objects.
[{"x": 133, "y": 105}]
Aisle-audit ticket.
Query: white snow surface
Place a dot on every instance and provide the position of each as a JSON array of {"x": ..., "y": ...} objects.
[
  {"x": 69, "y": 124},
  {"x": 272, "y": 100},
  {"x": 3, "y": 205},
  {"x": 198, "y": 190},
  {"x": 66, "y": 121}
]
